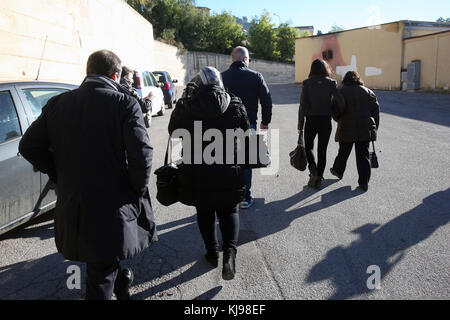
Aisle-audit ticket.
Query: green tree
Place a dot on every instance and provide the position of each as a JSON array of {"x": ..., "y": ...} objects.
[
  {"x": 223, "y": 33},
  {"x": 263, "y": 38},
  {"x": 335, "y": 28},
  {"x": 442, "y": 20},
  {"x": 286, "y": 42}
]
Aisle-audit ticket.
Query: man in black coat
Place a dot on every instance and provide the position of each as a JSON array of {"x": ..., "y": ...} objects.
[
  {"x": 93, "y": 144},
  {"x": 251, "y": 88}
]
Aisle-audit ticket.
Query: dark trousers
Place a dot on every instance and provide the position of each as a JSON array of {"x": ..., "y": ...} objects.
[
  {"x": 317, "y": 126},
  {"x": 362, "y": 160},
  {"x": 101, "y": 277},
  {"x": 228, "y": 223}
]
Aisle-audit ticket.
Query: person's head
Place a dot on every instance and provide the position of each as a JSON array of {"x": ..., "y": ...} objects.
[
  {"x": 105, "y": 63},
  {"x": 208, "y": 76},
  {"x": 320, "y": 68},
  {"x": 128, "y": 74},
  {"x": 240, "y": 54},
  {"x": 352, "y": 77}
]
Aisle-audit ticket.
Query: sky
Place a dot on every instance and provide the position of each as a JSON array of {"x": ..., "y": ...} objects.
[{"x": 323, "y": 14}]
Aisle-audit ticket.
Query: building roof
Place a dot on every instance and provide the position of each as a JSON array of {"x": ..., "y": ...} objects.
[
  {"x": 407, "y": 23},
  {"x": 428, "y": 35}
]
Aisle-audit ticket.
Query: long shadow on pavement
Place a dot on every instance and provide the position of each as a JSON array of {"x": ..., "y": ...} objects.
[{"x": 382, "y": 246}]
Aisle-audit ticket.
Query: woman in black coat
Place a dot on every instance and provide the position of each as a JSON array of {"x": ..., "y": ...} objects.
[
  {"x": 315, "y": 105},
  {"x": 358, "y": 122},
  {"x": 217, "y": 188}
]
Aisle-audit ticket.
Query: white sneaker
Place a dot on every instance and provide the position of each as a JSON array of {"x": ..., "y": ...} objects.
[{"x": 246, "y": 204}]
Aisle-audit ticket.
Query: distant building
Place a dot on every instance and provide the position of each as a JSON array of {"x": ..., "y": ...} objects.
[
  {"x": 309, "y": 29},
  {"x": 403, "y": 54},
  {"x": 206, "y": 10},
  {"x": 245, "y": 24}
]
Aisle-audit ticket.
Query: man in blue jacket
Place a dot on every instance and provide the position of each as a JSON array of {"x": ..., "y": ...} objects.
[{"x": 250, "y": 86}]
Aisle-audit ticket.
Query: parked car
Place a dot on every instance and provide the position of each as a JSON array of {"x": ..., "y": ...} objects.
[
  {"x": 24, "y": 193},
  {"x": 144, "y": 82},
  {"x": 168, "y": 87}
]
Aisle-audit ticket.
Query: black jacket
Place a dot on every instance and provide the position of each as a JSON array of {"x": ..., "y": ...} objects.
[
  {"x": 210, "y": 185},
  {"x": 316, "y": 98},
  {"x": 359, "y": 119},
  {"x": 250, "y": 87},
  {"x": 92, "y": 142}
]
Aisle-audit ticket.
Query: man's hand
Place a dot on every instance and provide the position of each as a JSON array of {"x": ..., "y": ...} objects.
[
  {"x": 150, "y": 96},
  {"x": 264, "y": 127}
]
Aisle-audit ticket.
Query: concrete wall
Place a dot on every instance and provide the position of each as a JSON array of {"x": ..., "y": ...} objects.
[
  {"x": 273, "y": 72},
  {"x": 57, "y": 36},
  {"x": 433, "y": 52},
  {"x": 375, "y": 52},
  {"x": 70, "y": 30}
]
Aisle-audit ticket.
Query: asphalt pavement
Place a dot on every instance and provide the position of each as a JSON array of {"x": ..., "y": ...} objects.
[{"x": 295, "y": 243}]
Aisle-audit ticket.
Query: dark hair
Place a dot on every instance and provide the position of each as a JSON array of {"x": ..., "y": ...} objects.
[
  {"x": 320, "y": 68},
  {"x": 352, "y": 77},
  {"x": 104, "y": 62},
  {"x": 126, "y": 71}
]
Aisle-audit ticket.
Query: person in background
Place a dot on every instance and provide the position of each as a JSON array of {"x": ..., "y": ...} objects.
[
  {"x": 127, "y": 81},
  {"x": 315, "y": 107},
  {"x": 214, "y": 189},
  {"x": 358, "y": 122},
  {"x": 93, "y": 144},
  {"x": 251, "y": 88}
]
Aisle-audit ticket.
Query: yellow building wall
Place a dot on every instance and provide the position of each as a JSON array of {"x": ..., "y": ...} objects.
[
  {"x": 64, "y": 33},
  {"x": 433, "y": 52},
  {"x": 375, "y": 52}
]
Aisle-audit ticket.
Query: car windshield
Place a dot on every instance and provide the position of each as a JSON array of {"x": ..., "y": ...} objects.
[{"x": 38, "y": 98}]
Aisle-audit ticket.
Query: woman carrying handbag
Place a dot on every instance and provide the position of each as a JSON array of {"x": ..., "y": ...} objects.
[
  {"x": 215, "y": 190},
  {"x": 358, "y": 123}
]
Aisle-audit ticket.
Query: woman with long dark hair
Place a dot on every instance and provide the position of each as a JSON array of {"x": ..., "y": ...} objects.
[
  {"x": 358, "y": 122},
  {"x": 318, "y": 92}
]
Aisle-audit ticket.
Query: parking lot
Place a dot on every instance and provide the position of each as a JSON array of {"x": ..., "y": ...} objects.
[{"x": 295, "y": 243}]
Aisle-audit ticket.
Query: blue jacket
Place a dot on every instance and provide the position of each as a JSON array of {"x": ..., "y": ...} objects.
[{"x": 250, "y": 86}]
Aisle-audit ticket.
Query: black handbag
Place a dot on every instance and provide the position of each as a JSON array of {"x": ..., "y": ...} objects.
[
  {"x": 298, "y": 156},
  {"x": 373, "y": 158},
  {"x": 256, "y": 152},
  {"x": 166, "y": 179}
]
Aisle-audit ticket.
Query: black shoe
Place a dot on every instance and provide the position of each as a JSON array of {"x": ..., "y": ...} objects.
[
  {"x": 122, "y": 285},
  {"x": 229, "y": 264},
  {"x": 213, "y": 258},
  {"x": 320, "y": 180},
  {"x": 313, "y": 180},
  {"x": 364, "y": 187},
  {"x": 334, "y": 173}
]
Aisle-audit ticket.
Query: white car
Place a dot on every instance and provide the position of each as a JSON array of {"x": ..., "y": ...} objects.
[{"x": 145, "y": 82}]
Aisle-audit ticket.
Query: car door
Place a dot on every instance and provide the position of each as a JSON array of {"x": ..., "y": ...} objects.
[
  {"x": 19, "y": 183},
  {"x": 157, "y": 91},
  {"x": 34, "y": 98},
  {"x": 146, "y": 86}
]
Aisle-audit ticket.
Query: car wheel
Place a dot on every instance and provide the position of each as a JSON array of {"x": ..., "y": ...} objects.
[{"x": 163, "y": 110}]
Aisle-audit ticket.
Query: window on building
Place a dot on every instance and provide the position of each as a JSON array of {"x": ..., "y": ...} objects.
[{"x": 327, "y": 55}]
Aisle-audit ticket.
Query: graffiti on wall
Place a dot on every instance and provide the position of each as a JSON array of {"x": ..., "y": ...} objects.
[{"x": 331, "y": 52}]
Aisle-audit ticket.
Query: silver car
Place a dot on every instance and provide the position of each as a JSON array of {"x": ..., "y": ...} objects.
[{"x": 24, "y": 193}]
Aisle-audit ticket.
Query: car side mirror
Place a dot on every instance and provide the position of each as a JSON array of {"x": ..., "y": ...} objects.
[{"x": 174, "y": 81}]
